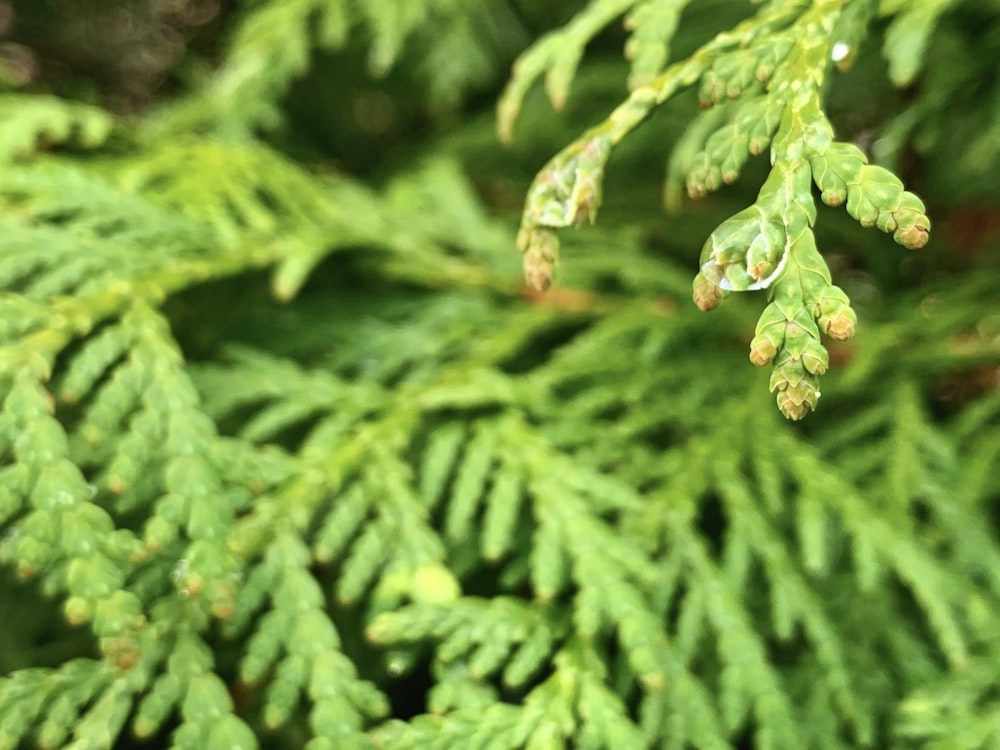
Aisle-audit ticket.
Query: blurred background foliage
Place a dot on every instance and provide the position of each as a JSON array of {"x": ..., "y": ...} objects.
[{"x": 353, "y": 111}]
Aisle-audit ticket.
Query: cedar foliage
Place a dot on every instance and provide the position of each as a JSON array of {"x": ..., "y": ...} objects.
[{"x": 290, "y": 458}]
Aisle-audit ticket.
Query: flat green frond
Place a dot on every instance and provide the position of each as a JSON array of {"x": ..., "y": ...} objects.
[
  {"x": 282, "y": 394},
  {"x": 792, "y": 599},
  {"x": 438, "y": 461},
  {"x": 747, "y": 681},
  {"x": 879, "y": 546},
  {"x": 66, "y": 691}
]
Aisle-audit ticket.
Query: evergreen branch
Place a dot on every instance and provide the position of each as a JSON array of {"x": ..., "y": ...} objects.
[
  {"x": 747, "y": 681},
  {"x": 502, "y": 635},
  {"x": 907, "y": 36},
  {"x": 653, "y": 24},
  {"x": 312, "y": 662},
  {"x": 572, "y": 705},
  {"x": 554, "y": 522},
  {"x": 566, "y": 191},
  {"x": 274, "y": 43},
  {"x": 268, "y": 51},
  {"x": 556, "y": 55},
  {"x": 83, "y": 558},
  {"x": 774, "y": 64},
  {"x": 958, "y": 714},
  {"x": 65, "y": 691},
  {"x": 792, "y": 597},
  {"x": 637, "y": 631},
  {"x": 931, "y": 584}
]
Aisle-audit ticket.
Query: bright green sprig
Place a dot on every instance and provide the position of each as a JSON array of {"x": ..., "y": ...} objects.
[
  {"x": 297, "y": 648},
  {"x": 499, "y": 636},
  {"x": 30, "y": 122},
  {"x": 727, "y": 149},
  {"x": 567, "y": 190},
  {"x": 652, "y": 24},
  {"x": 875, "y": 196},
  {"x": 771, "y": 244},
  {"x": 669, "y": 564},
  {"x": 556, "y": 56},
  {"x": 771, "y": 69},
  {"x": 958, "y": 712},
  {"x": 908, "y": 35},
  {"x": 188, "y": 685},
  {"x": 575, "y": 705},
  {"x": 88, "y": 258},
  {"x": 83, "y": 554}
]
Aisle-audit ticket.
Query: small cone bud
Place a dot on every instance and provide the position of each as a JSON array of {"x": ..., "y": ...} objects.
[
  {"x": 761, "y": 269},
  {"x": 834, "y": 197},
  {"x": 798, "y": 400},
  {"x": 914, "y": 237},
  {"x": 541, "y": 251},
  {"x": 911, "y": 227},
  {"x": 762, "y": 351},
  {"x": 78, "y": 610},
  {"x": 841, "y": 325},
  {"x": 706, "y": 295},
  {"x": 538, "y": 271},
  {"x": 834, "y": 314},
  {"x": 769, "y": 335},
  {"x": 795, "y": 389}
]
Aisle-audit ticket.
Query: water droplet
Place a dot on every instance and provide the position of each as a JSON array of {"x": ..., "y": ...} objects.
[
  {"x": 396, "y": 667},
  {"x": 840, "y": 51},
  {"x": 62, "y": 499}
]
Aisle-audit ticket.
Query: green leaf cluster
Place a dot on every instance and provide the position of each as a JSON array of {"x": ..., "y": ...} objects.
[
  {"x": 289, "y": 457},
  {"x": 766, "y": 78}
]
